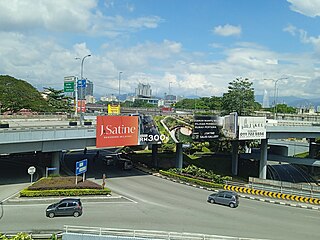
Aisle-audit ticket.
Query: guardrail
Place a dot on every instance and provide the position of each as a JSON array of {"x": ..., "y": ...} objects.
[
  {"x": 144, "y": 234},
  {"x": 300, "y": 189},
  {"x": 267, "y": 191}
]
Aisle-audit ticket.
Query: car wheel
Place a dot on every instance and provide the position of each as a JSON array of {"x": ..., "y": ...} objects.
[
  {"x": 212, "y": 201},
  {"x": 76, "y": 214},
  {"x": 232, "y": 205},
  {"x": 51, "y": 215}
]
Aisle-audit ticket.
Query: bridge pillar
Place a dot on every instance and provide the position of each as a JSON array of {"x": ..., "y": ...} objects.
[
  {"x": 263, "y": 159},
  {"x": 235, "y": 157},
  {"x": 312, "y": 147},
  {"x": 55, "y": 162},
  {"x": 154, "y": 155},
  {"x": 179, "y": 156}
]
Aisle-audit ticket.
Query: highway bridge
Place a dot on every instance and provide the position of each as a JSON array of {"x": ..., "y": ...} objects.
[{"x": 56, "y": 136}]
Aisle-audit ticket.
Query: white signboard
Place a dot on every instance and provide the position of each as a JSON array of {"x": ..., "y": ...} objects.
[{"x": 252, "y": 128}]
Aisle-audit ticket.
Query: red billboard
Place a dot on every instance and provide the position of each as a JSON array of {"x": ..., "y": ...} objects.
[{"x": 116, "y": 131}]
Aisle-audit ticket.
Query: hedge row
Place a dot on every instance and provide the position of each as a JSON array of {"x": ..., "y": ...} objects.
[
  {"x": 63, "y": 192},
  {"x": 191, "y": 180}
]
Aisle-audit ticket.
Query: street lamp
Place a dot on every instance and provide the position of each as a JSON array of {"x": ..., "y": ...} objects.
[
  {"x": 81, "y": 88},
  {"x": 119, "y": 84},
  {"x": 275, "y": 96}
]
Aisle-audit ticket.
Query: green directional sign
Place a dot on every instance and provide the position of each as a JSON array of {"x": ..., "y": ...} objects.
[{"x": 68, "y": 86}]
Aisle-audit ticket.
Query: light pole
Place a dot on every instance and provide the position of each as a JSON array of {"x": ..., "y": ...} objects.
[
  {"x": 275, "y": 96},
  {"x": 81, "y": 88},
  {"x": 76, "y": 92},
  {"x": 119, "y": 78}
]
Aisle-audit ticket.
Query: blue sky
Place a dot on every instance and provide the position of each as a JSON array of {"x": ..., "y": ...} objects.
[{"x": 196, "y": 47}]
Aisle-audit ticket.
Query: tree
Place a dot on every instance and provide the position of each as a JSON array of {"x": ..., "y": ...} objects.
[
  {"x": 284, "y": 108},
  {"x": 239, "y": 98},
  {"x": 17, "y": 94},
  {"x": 57, "y": 101}
]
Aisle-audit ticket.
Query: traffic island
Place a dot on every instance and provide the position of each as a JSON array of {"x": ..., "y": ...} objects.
[{"x": 64, "y": 186}]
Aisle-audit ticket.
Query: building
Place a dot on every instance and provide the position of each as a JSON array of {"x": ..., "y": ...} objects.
[
  {"x": 143, "y": 90},
  {"x": 89, "y": 88}
]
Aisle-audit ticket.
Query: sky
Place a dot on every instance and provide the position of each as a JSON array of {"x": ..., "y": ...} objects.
[{"x": 181, "y": 47}]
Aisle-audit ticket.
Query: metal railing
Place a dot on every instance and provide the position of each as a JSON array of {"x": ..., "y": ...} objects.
[
  {"x": 299, "y": 189},
  {"x": 145, "y": 234}
]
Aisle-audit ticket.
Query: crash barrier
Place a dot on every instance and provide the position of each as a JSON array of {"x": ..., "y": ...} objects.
[
  {"x": 270, "y": 194},
  {"x": 98, "y": 233},
  {"x": 311, "y": 190}
]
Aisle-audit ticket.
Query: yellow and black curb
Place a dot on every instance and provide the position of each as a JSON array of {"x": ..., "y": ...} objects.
[{"x": 269, "y": 194}]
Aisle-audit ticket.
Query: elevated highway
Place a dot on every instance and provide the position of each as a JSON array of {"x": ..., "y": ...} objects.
[{"x": 55, "y": 137}]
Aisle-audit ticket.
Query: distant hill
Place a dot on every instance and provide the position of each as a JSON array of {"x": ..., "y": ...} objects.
[{"x": 291, "y": 101}]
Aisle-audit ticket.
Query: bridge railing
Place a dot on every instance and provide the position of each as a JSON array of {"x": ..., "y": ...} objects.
[{"x": 142, "y": 234}]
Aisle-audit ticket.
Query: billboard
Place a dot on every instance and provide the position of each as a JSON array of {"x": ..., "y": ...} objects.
[
  {"x": 113, "y": 109},
  {"x": 81, "y": 106},
  {"x": 116, "y": 131},
  {"x": 230, "y": 126},
  {"x": 206, "y": 128},
  {"x": 252, "y": 128}
]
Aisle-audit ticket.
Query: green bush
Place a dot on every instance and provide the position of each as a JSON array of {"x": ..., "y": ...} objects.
[
  {"x": 191, "y": 180},
  {"x": 18, "y": 236},
  {"x": 63, "y": 192},
  {"x": 201, "y": 174}
]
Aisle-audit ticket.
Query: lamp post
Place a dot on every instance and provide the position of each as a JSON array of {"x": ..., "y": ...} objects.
[
  {"x": 275, "y": 96},
  {"x": 119, "y": 78},
  {"x": 81, "y": 88}
]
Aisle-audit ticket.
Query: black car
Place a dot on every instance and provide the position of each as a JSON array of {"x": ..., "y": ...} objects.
[{"x": 65, "y": 207}]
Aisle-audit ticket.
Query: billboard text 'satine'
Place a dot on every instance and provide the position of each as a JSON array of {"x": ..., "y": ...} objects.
[{"x": 116, "y": 131}]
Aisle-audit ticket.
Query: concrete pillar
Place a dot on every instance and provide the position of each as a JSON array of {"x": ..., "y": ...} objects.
[
  {"x": 179, "y": 156},
  {"x": 154, "y": 155},
  {"x": 235, "y": 156},
  {"x": 312, "y": 147},
  {"x": 263, "y": 159},
  {"x": 55, "y": 162}
]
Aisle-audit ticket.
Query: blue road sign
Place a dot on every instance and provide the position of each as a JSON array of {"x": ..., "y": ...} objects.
[
  {"x": 51, "y": 168},
  {"x": 81, "y": 83},
  {"x": 81, "y": 166}
]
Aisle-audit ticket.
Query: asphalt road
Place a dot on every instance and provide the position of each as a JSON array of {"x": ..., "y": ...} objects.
[{"x": 152, "y": 203}]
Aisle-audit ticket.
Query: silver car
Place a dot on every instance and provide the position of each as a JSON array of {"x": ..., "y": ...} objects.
[{"x": 228, "y": 198}]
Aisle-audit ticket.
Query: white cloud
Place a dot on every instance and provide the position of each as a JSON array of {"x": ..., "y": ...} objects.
[
  {"x": 310, "y": 8},
  {"x": 304, "y": 38},
  {"x": 227, "y": 30},
  {"x": 68, "y": 16}
]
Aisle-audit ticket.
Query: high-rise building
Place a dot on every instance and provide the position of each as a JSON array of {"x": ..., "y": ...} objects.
[
  {"x": 143, "y": 90},
  {"x": 265, "y": 103},
  {"x": 89, "y": 88}
]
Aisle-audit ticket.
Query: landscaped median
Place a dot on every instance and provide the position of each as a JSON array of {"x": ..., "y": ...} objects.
[
  {"x": 191, "y": 180},
  {"x": 63, "y": 186}
]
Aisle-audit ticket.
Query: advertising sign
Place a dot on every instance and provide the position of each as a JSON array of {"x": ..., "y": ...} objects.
[
  {"x": 230, "y": 126},
  {"x": 113, "y": 109},
  {"x": 206, "y": 128},
  {"x": 81, "y": 106},
  {"x": 149, "y": 133},
  {"x": 116, "y": 131},
  {"x": 81, "y": 166},
  {"x": 252, "y": 128}
]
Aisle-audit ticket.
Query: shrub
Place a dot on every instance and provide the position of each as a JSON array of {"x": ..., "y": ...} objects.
[
  {"x": 191, "y": 180},
  {"x": 63, "y": 192}
]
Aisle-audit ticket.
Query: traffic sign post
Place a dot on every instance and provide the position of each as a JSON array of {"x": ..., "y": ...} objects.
[
  {"x": 81, "y": 167},
  {"x": 31, "y": 171},
  {"x": 49, "y": 169}
]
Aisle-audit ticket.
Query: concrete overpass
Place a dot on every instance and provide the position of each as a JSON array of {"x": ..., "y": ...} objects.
[{"x": 55, "y": 139}]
